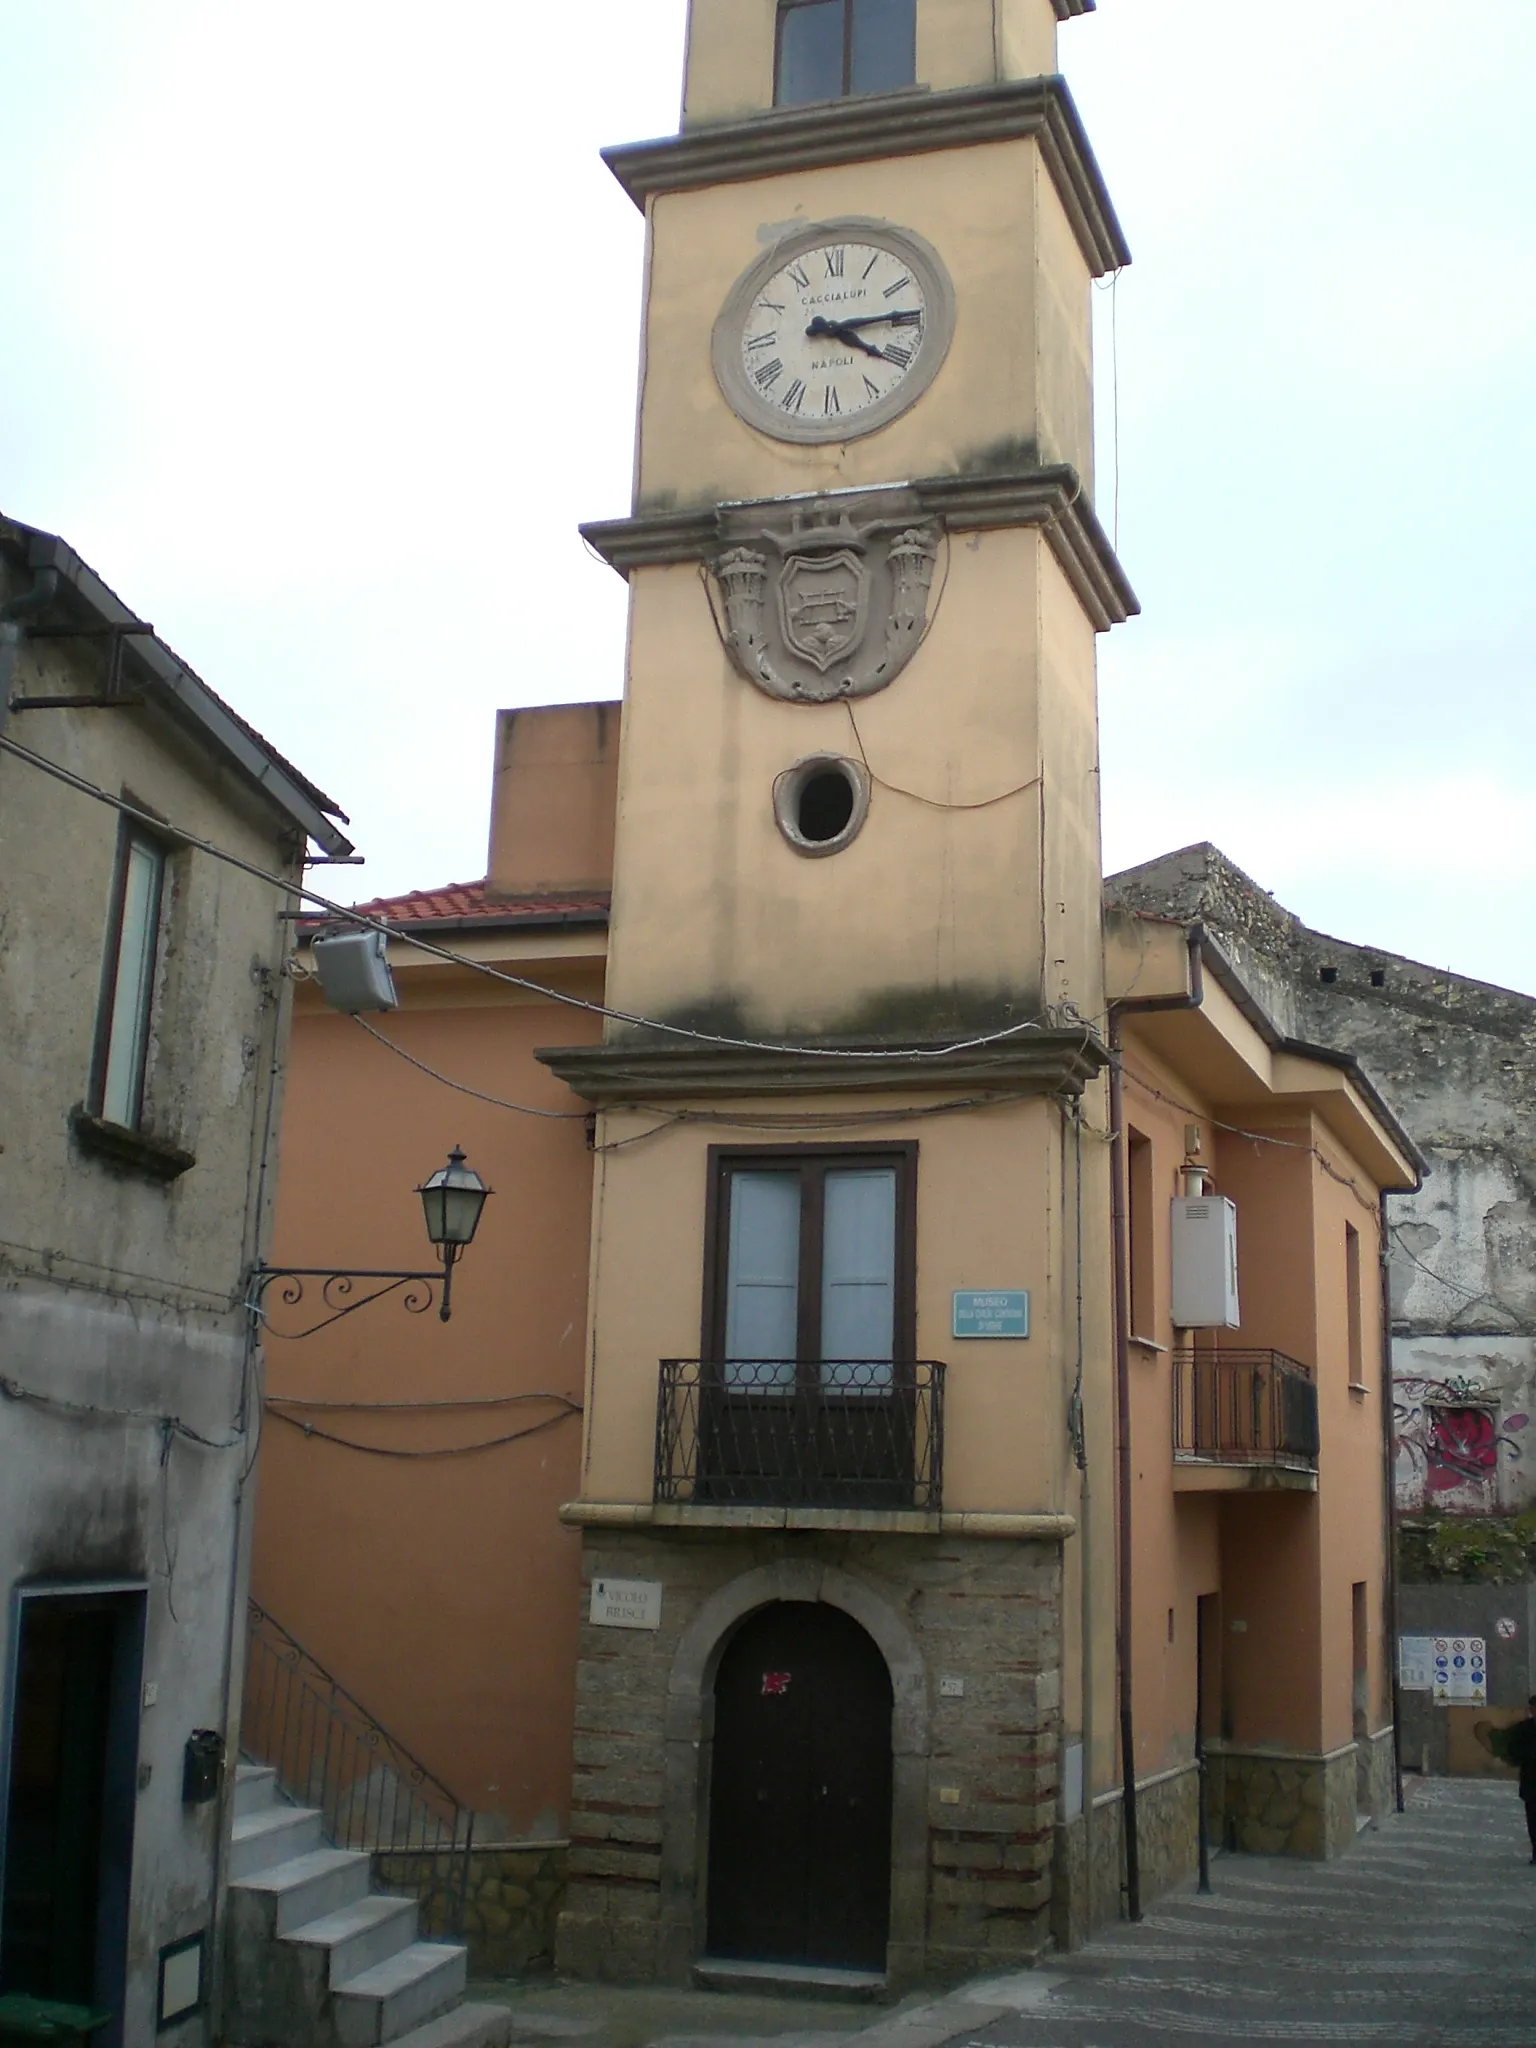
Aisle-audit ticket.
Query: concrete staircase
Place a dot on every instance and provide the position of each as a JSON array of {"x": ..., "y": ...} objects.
[{"x": 317, "y": 1960}]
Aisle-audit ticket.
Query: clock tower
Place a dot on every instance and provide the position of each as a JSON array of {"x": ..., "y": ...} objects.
[{"x": 849, "y": 1336}]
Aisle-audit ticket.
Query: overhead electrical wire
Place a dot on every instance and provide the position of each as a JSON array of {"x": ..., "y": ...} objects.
[
  {"x": 403, "y": 1451},
  {"x": 1044, "y": 1018}
]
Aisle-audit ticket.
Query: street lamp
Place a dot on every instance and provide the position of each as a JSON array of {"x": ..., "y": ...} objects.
[{"x": 451, "y": 1200}]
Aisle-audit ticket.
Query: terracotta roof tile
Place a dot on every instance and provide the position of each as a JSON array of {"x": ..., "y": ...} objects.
[{"x": 465, "y": 902}]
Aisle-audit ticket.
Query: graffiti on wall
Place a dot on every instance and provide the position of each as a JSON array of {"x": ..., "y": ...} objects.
[{"x": 1452, "y": 1440}]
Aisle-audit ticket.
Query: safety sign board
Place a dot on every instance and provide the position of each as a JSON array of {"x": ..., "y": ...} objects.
[
  {"x": 1461, "y": 1671},
  {"x": 1506, "y": 1628},
  {"x": 1416, "y": 1663}
]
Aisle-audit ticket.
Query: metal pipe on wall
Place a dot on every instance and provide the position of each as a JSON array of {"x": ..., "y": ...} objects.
[
  {"x": 1118, "y": 1253},
  {"x": 1389, "y": 1481}
]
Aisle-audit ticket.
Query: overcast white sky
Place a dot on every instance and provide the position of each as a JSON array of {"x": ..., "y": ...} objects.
[{"x": 280, "y": 355}]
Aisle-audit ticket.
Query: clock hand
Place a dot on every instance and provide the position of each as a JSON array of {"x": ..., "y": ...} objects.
[
  {"x": 839, "y": 331},
  {"x": 909, "y": 318}
]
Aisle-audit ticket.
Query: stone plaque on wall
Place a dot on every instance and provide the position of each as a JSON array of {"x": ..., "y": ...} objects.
[{"x": 625, "y": 1603}]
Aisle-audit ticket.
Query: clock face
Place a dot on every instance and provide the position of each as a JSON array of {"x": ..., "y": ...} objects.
[{"x": 834, "y": 332}]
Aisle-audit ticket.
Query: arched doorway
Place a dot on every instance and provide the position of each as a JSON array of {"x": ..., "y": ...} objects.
[{"x": 800, "y": 1793}]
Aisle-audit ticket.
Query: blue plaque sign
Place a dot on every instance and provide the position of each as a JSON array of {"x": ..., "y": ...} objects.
[{"x": 995, "y": 1312}]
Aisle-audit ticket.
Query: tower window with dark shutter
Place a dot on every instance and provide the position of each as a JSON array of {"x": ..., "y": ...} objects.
[{"x": 829, "y": 49}]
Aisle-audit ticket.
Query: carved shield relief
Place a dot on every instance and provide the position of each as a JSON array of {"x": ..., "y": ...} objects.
[
  {"x": 823, "y": 605},
  {"x": 847, "y": 606}
]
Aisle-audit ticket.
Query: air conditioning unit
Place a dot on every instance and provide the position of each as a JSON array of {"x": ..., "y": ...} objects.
[{"x": 1204, "y": 1238}]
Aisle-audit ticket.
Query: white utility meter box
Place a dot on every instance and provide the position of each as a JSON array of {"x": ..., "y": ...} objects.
[
  {"x": 354, "y": 971},
  {"x": 1204, "y": 1238}
]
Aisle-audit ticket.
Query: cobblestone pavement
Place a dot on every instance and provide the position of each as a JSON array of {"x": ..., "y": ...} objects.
[{"x": 1425, "y": 1934}]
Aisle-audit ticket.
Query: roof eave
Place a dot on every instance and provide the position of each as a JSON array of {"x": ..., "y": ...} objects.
[{"x": 191, "y": 699}]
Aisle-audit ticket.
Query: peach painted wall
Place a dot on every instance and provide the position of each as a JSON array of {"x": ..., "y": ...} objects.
[
  {"x": 441, "y": 1591},
  {"x": 1176, "y": 1536},
  {"x": 1284, "y": 1564},
  {"x": 1352, "y": 1493}
]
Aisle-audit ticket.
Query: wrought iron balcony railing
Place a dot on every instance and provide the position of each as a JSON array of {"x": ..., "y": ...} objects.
[
  {"x": 1244, "y": 1408},
  {"x": 766, "y": 1432}
]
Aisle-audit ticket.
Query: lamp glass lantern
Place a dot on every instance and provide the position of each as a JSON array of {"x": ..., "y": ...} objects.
[{"x": 451, "y": 1200}]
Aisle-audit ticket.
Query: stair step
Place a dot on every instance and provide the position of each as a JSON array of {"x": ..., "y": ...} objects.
[
  {"x": 274, "y": 1836},
  {"x": 255, "y": 1789},
  {"x": 368, "y": 1931},
  {"x": 787, "y": 1980},
  {"x": 307, "y": 1887},
  {"x": 416, "y": 1985},
  {"x": 467, "y": 2026}
]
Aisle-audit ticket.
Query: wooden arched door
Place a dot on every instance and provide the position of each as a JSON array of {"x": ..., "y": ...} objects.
[{"x": 800, "y": 1795}]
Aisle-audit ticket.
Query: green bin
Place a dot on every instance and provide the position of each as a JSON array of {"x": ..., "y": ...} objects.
[{"x": 24, "y": 2020}]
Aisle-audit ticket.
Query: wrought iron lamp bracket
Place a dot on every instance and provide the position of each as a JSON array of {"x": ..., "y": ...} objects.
[{"x": 339, "y": 1292}]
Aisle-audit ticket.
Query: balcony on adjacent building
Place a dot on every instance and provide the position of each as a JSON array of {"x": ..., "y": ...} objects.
[
  {"x": 1243, "y": 1418},
  {"x": 847, "y": 1433}
]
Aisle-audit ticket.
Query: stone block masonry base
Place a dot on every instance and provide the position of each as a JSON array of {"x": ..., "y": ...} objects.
[
  {"x": 1277, "y": 1804},
  {"x": 502, "y": 1908},
  {"x": 1084, "y": 1897},
  {"x": 975, "y": 1767}
]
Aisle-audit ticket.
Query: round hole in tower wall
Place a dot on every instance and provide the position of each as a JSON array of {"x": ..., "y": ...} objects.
[{"x": 820, "y": 803}]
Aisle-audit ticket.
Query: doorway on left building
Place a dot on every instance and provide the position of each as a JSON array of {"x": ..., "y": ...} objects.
[{"x": 68, "y": 1786}]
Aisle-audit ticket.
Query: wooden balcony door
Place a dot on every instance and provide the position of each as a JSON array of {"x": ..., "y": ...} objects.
[{"x": 809, "y": 1334}]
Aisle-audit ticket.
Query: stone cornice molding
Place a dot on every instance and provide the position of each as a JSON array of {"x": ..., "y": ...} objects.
[
  {"x": 1049, "y": 1061},
  {"x": 986, "y": 1526},
  {"x": 1051, "y": 498},
  {"x": 907, "y": 123}
]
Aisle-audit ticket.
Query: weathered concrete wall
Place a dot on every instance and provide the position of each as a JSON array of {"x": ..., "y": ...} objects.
[
  {"x": 1467, "y": 1610},
  {"x": 1456, "y": 1060},
  {"x": 971, "y": 1878},
  {"x": 128, "y": 1386}
]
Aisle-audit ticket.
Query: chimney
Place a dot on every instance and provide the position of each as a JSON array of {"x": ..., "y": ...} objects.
[{"x": 553, "y": 801}]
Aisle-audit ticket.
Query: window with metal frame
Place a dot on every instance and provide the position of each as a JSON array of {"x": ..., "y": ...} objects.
[
  {"x": 129, "y": 974},
  {"x": 830, "y": 49}
]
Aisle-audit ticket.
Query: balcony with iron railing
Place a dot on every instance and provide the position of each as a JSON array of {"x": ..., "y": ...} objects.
[
  {"x": 1243, "y": 1418},
  {"x": 846, "y": 1434}
]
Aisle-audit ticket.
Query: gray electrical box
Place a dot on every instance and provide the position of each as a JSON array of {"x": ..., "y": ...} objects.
[
  {"x": 354, "y": 971},
  {"x": 1204, "y": 1238}
]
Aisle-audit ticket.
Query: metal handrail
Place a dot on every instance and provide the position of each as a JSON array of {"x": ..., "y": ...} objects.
[
  {"x": 1240, "y": 1406},
  {"x": 328, "y": 1751},
  {"x": 763, "y": 1432}
]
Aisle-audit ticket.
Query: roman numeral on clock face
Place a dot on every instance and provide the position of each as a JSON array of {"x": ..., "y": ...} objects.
[
  {"x": 793, "y": 396},
  {"x": 762, "y": 340},
  {"x": 801, "y": 276},
  {"x": 834, "y": 261},
  {"x": 895, "y": 353},
  {"x": 768, "y": 373},
  {"x": 831, "y": 403}
]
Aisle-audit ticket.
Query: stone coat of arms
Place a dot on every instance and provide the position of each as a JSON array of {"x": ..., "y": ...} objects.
[{"x": 822, "y": 606}]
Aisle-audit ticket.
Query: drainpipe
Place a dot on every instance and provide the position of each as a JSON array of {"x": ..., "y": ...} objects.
[
  {"x": 13, "y": 615},
  {"x": 1125, "y": 1549},
  {"x": 1389, "y": 1481}
]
